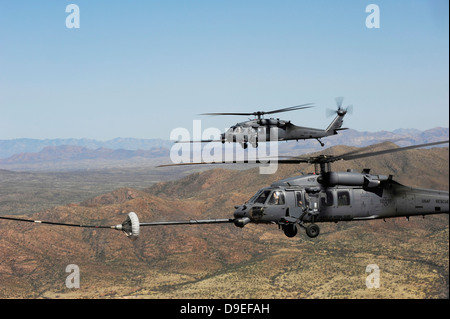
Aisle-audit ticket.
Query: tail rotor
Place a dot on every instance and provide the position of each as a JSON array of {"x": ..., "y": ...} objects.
[{"x": 340, "y": 110}]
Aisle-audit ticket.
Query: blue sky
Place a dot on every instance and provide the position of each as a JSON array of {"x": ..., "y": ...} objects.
[{"x": 142, "y": 68}]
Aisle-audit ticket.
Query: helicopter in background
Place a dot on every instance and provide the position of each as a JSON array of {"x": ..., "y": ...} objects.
[
  {"x": 260, "y": 129},
  {"x": 325, "y": 196}
]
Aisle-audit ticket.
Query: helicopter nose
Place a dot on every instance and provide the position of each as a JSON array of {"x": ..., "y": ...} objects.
[{"x": 241, "y": 211}]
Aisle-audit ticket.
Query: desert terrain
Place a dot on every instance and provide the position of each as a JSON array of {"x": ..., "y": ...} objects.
[{"x": 223, "y": 261}]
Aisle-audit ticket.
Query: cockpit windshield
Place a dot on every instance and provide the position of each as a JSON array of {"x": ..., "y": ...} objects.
[
  {"x": 252, "y": 199},
  {"x": 260, "y": 197},
  {"x": 276, "y": 198},
  {"x": 238, "y": 129}
]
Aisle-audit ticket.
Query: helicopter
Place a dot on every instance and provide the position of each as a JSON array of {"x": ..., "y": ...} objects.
[
  {"x": 330, "y": 196},
  {"x": 261, "y": 129},
  {"x": 324, "y": 196}
]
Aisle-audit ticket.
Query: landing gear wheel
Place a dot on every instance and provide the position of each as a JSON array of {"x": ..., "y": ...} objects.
[
  {"x": 290, "y": 230},
  {"x": 312, "y": 230}
]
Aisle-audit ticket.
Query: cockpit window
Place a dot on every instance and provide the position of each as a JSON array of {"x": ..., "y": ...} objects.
[
  {"x": 277, "y": 198},
  {"x": 238, "y": 129},
  {"x": 262, "y": 198},
  {"x": 252, "y": 199}
]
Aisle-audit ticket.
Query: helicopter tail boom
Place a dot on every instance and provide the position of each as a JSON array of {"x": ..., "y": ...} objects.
[
  {"x": 337, "y": 122},
  {"x": 335, "y": 125},
  {"x": 423, "y": 202}
]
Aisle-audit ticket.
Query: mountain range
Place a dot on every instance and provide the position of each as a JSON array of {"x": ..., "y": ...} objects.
[
  {"x": 76, "y": 153},
  {"x": 28, "y": 145},
  {"x": 69, "y": 158},
  {"x": 349, "y": 137},
  {"x": 81, "y": 154}
]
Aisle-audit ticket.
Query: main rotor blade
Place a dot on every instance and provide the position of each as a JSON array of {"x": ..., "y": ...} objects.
[
  {"x": 347, "y": 157},
  {"x": 292, "y": 108},
  {"x": 286, "y": 109},
  {"x": 200, "y": 141},
  {"x": 255, "y": 161},
  {"x": 352, "y": 154},
  {"x": 317, "y": 159},
  {"x": 243, "y": 114}
]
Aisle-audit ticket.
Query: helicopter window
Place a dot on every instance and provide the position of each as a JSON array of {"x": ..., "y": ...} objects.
[
  {"x": 307, "y": 200},
  {"x": 326, "y": 199},
  {"x": 261, "y": 130},
  {"x": 343, "y": 198},
  {"x": 298, "y": 199},
  {"x": 238, "y": 129},
  {"x": 277, "y": 198},
  {"x": 262, "y": 198},
  {"x": 252, "y": 199}
]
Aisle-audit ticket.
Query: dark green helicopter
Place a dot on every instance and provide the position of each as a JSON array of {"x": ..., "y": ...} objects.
[{"x": 306, "y": 200}]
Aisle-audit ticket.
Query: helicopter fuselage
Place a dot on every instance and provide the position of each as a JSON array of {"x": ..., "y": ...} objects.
[
  {"x": 264, "y": 130},
  {"x": 344, "y": 196}
]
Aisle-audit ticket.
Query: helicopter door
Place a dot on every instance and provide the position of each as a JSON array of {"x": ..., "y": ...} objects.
[
  {"x": 275, "y": 207},
  {"x": 263, "y": 133},
  {"x": 344, "y": 209},
  {"x": 312, "y": 206},
  {"x": 295, "y": 203}
]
